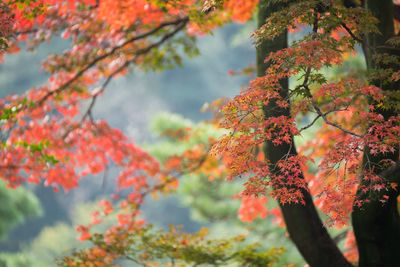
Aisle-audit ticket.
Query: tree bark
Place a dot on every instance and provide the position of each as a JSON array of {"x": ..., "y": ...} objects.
[
  {"x": 377, "y": 225},
  {"x": 302, "y": 221}
]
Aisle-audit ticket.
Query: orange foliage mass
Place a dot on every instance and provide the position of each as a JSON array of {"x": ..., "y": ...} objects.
[{"x": 126, "y": 13}]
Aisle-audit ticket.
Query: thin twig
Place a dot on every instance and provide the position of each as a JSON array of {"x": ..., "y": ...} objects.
[
  {"x": 319, "y": 112},
  {"x": 311, "y": 124}
]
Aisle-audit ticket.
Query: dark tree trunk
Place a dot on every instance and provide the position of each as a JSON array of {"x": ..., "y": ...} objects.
[
  {"x": 302, "y": 221},
  {"x": 377, "y": 225}
]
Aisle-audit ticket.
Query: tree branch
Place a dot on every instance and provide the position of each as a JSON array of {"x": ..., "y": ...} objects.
[
  {"x": 120, "y": 69},
  {"x": 318, "y": 110},
  {"x": 310, "y": 124},
  {"x": 181, "y": 22},
  {"x": 340, "y": 236}
]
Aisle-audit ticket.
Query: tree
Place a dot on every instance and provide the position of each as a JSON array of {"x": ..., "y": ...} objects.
[
  {"x": 350, "y": 168},
  {"x": 313, "y": 241},
  {"x": 299, "y": 212},
  {"x": 381, "y": 222}
]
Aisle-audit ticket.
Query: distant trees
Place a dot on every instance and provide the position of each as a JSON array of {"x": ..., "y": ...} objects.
[{"x": 17, "y": 206}]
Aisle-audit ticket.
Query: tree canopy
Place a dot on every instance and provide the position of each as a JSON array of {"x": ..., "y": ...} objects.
[{"x": 349, "y": 170}]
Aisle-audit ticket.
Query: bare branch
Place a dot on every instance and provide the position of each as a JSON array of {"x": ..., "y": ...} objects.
[
  {"x": 319, "y": 112},
  {"x": 340, "y": 236},
  {"x": 310, "y": 124},
  {"x": 348, "y": 30}
]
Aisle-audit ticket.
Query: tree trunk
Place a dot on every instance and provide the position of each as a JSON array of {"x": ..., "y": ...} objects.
[
  {"x": 302, "y": 221},
  {"x": 377, "y": 225}
]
